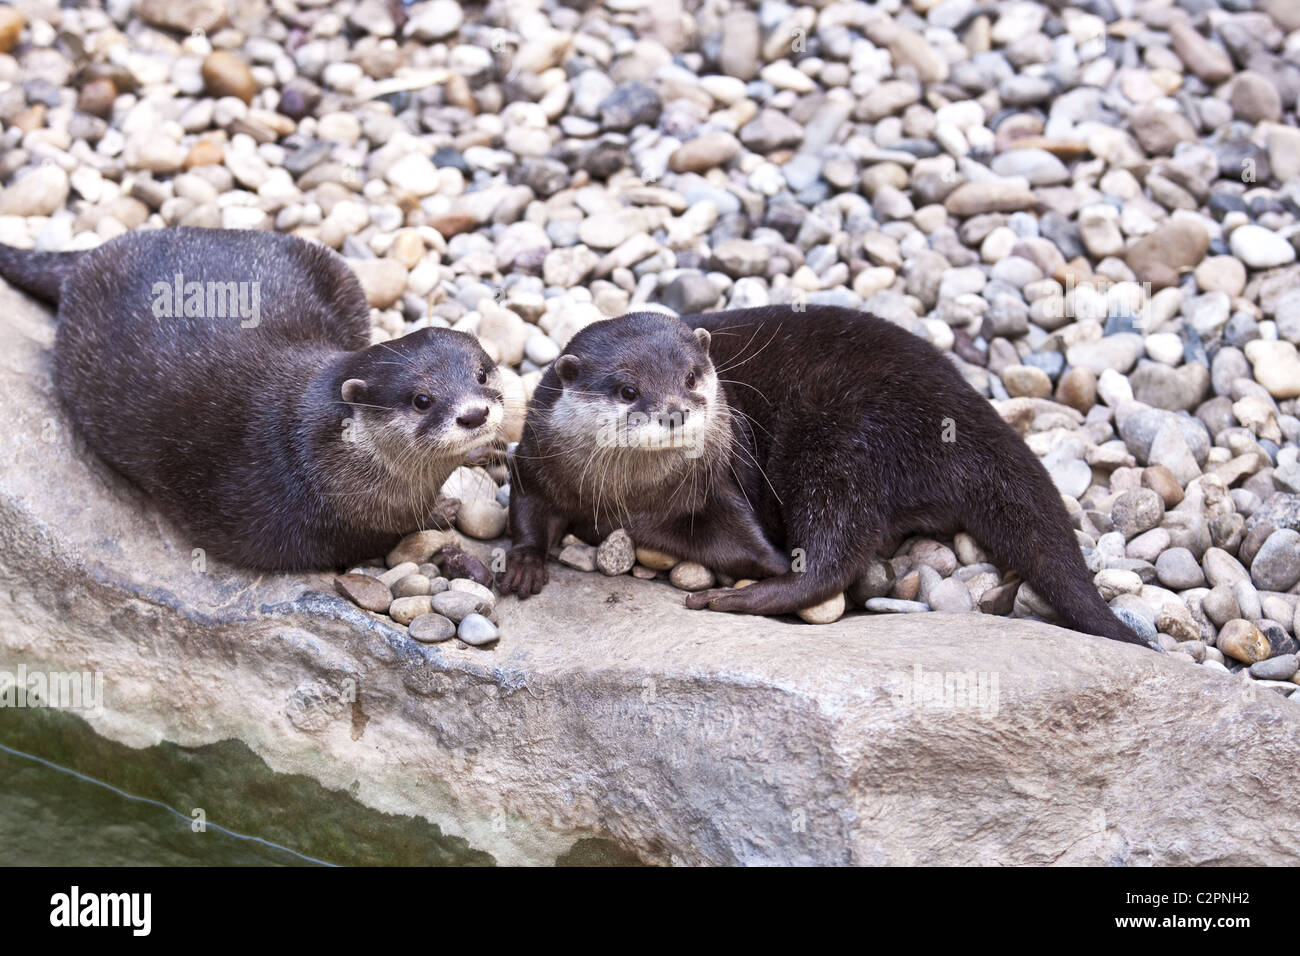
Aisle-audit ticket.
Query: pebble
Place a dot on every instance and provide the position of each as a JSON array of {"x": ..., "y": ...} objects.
[
  {"x": 827, "y": 612},
  {"x": 689, "y": 576},
  {"x": 431, "y": 629},
  {"x": 1243, "y": 641},
  {"x": 477, "y": 631},
  {"x": 365, "y": 592},
  {"x": 225, "y": 74},
  {"x": 1277, "y": 564},
  {"x": 616, "y": 554}
]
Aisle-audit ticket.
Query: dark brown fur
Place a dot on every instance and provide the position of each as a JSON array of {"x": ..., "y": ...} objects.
[
  {"x": 836, "y": 421},
  {"x": 239, "y": 432}
]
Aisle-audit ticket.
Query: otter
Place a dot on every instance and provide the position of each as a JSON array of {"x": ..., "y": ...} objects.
[
  {"x": 734, "y": 438},
  {"x": 230, "y": 375}
]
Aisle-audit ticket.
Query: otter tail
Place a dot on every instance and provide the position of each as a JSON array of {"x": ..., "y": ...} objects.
[
  {"x": 37, "y": 273},
  {"x": 1008, "y": 519}
]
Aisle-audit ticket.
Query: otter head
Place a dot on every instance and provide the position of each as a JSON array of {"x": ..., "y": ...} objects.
[
  {"x": 642, "y": 383},
  {"x": 425, "y": 401}
]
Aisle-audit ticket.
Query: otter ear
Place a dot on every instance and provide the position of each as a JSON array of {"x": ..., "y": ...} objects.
[
  {"x": 702, "y": 336},
  {"x": 354, "y": 390},
  {"x": 567, "y": 368}
]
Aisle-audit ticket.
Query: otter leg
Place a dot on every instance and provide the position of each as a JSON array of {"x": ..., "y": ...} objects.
[
  {"x": 534, "y": 530},
  {"x": 835, "y": 551},
  {"x": 784, "y": 594},
  {"x": 727, "y": 538}
]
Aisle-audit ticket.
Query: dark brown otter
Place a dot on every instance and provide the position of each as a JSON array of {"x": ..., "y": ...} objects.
[
  {"x": 231, "y": 376},
  {"x": 744, "y": 439}
]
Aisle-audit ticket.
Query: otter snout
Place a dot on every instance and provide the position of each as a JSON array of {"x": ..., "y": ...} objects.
[
  {"x": 472, "y": 418},
  {"x": 673, "y": 418}
]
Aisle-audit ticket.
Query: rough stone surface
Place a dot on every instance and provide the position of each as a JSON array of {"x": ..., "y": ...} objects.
[{"x": 658, "y": 708}]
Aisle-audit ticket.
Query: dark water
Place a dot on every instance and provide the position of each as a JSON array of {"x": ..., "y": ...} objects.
[{"x": 70, "y": 797}]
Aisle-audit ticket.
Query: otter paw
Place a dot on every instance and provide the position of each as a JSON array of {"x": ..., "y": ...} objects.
[
  {"x": 444, "y": 514},
  {"x": 525, "y": 573},
  {"x": 714, "y": 599}
]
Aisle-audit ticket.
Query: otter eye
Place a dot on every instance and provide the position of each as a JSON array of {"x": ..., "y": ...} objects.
[
  {"x": 628, "y": 393},
  {"x": 422, "y": 402},
  {"x": 482, "y": 376},
  {"x": 690, "y": 379}
]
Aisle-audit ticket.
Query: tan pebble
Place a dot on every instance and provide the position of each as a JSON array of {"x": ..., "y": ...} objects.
[
  {"x": 828, "y": 612},
  {"x": 690, "y": 576},
  {"x": 404, "y": 610},
  {"x": 656, "y": 560}
]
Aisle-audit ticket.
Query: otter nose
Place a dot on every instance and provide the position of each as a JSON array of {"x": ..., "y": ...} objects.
[{"x": 473, "y": 418}]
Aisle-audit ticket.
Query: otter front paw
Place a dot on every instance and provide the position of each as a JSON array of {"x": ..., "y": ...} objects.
[
  {"x": 525, "y": 573},
  {"x": 714, "y": 599}
]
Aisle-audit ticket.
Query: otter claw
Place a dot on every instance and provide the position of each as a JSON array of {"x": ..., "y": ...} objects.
[
  {"x": 525, "y": 575},
  {"x": 704, "y": 600}
]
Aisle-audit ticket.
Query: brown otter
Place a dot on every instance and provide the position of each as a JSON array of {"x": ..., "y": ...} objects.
[
  {"x": 735, "y": 438},
  {"x": 231, "y": 376}
]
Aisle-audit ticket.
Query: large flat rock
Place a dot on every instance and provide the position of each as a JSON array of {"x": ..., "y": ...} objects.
[{"x": 608, "y": 709}]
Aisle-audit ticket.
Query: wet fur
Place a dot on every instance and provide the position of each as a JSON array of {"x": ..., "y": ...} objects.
[
  {"x": 239, "y": 432},
  {"x": 834, "y": 445}
]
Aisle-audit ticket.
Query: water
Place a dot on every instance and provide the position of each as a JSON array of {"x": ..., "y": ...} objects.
[{"x": 73, "y": 798}]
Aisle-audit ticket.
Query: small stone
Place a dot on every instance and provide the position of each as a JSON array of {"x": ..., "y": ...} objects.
[
  {"x": 225, "y": 74},
  {"x": 656, "y": 560},
  {"x": 1078, "y": 389},
  {"x": 827, "y": 612},
  {"x": 579, "y": 556},
  {"x": 630, "y": 105},
  {"x": 616, "y": 554},
  {"x": 415, "y": 174},
  {"x": 1112, "y": 582},
  {"x": 1207, "y": 60},
  {"x": 1254, "y": 98},
  {"x": 412, "y": 585},
  {"x": 431, "y": 629},
  {"x": 1000, "y": 600},
  {"x": 689, "y": 293},
  {"x": 1243, "y": 641},
  {"x": 404, "y": 610},
  {"x": 1260, "y": 248},
  {"x": 457, "y": 604},
  {"x": 1137, "y": 511},
  {"x": 689, "y": 576},
  {"x": 477, "y": 631},
  {"x": 1276, "y": 365},
  {"x": 1277, "y": 564},
  {"x": 364, "y": 591},
  {"x": 895, "y": 606},
  {"x": 950, "y": 596},
  {"x": 1221, "y": 274},
  {"x": 481, "y": 518},
  {"x": 704, "y": 152},
  {"x": 382, "y": 280},
  {"x": 1162, "y": 481},
  {"x": 1026, "y": 381},
  {"x": 1223, "y": 568},
  {"x": 1282, "y": 667},
  {"x": 1178, "y": 569},
  {"x": 39, "y": 193},
  {"x": 11, "y": 27},
  {"x": 1162, "y": 255},
  {"x": 973, "y": 199}
]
